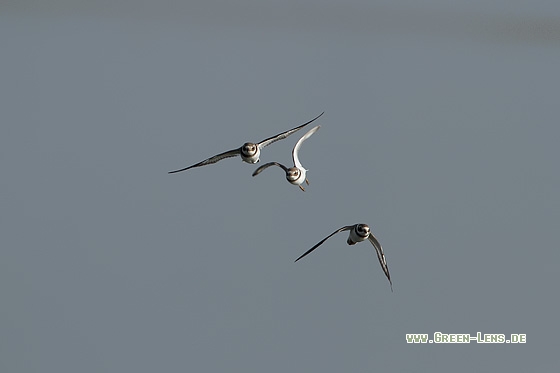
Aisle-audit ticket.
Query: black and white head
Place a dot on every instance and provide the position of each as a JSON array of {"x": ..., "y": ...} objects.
[
  {"x": 249, "y": 149},
  {"x": 293, "y": 175},
  {"x": 362, "y": 230},
  {"x": 250, "y": 152},
  {"x": 359, "y": 233}
]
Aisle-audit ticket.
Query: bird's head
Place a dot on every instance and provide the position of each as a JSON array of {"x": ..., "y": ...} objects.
[
  {"x": 293, "y": 174},
  {"x": 249, "y": 149},
  {"x": 362, "y": 230}
]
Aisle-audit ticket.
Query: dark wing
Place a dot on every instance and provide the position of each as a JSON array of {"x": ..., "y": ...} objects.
[
  {"x": 283, "y": 135},
  {"x": 214, "y": 159},
  {"x": 267, "y": 165},
  {"x": 381, "y": 257},
  {"x": 347, "y": 228}
]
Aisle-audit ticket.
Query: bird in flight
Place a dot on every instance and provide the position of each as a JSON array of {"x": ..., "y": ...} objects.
[
  {"x": 295, "y": 175},
  {"x": 359, "y": 233},
  {"x": 249, "y": 152}
]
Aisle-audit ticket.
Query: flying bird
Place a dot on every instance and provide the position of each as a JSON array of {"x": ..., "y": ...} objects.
[
  {"x": 295, "y": 175},
  {"x": 359, "y": 233},
  {"x": 249, "y": 152}
]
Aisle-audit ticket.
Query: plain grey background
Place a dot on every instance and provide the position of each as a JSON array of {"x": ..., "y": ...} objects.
[{"x": 440, "y": 131}]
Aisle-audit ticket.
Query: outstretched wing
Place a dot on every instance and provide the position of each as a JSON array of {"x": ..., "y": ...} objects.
[
  {"x": 381, "y": 257},
  {"x": 347, "y": 228},
  {"x": 267, "y": 165},
  {"x": 295, "y": 152},
  {"x": 283, "y": 135},
  {"x": 214, "y": 159}
]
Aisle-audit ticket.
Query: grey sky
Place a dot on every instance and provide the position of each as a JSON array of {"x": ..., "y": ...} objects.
[{"x": 440, "y": 131}]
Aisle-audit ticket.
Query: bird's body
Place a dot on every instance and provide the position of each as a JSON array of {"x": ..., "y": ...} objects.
[{"x": 356, "y": 235}]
